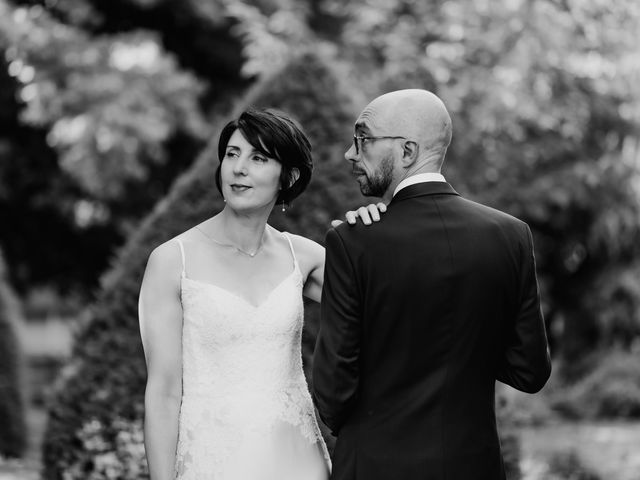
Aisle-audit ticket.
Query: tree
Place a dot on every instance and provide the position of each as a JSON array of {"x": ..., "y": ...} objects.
[{"x": 102, "y": 117}]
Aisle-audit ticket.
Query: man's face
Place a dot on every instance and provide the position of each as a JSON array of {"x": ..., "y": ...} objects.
[{"x": 371, "y": 159}]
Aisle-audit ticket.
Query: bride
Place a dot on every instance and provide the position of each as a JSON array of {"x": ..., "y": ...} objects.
[{"x": 221, "y": 315}]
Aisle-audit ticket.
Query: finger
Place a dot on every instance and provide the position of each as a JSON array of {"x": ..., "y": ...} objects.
[
  {"x": 363, "y": 212},
  {"x": 373, "y": 211},
  {"x": 350, "y": 216},
  {"x": 335, "y": 223},
  {"x": 382, "y": 207}
]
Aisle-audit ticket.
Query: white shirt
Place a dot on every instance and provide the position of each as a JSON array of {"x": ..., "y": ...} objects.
[{"x": 419, "y": 178}]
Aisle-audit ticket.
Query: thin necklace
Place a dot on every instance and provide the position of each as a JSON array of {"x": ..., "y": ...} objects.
[{"x": 230, "y": 245}]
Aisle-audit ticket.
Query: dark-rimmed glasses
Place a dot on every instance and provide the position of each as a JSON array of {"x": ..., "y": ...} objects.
[{"x": 358, "y": 139}]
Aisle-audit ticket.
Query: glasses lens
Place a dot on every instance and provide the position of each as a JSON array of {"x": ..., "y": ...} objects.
[{"x": 355, "y": 143}]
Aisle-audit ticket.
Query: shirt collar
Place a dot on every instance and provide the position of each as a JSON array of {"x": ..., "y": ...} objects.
[{"x": 419, "y": 178}]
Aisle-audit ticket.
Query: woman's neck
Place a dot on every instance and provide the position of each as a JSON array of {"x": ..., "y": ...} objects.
[{"x": 245, "y": 231}]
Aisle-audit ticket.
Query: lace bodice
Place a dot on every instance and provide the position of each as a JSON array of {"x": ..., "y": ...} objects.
[{"x": 243, "y": 382}]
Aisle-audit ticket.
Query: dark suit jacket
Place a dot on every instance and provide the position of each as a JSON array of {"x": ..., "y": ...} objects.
[{"x": 421, "y": 313}]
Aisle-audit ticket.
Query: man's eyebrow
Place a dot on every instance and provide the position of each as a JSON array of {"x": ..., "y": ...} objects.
[{"x": 361, "y": 126}]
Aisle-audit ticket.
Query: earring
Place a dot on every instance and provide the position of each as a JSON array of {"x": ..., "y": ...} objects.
[{"x": 283, "y": 209}]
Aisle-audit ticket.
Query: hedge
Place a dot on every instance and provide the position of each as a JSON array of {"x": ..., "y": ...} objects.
[
  {"x": 95, "y": 419},
  {"x": 13, "y": 431}
]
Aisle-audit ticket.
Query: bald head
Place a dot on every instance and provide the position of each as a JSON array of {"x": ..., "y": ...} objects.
[{"x": 418, "y": 115}]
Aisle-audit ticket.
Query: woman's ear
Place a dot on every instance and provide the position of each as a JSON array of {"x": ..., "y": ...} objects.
[{"x": 293, "y": 176}]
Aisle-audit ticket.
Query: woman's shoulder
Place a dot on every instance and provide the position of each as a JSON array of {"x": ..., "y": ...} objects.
[
  {"x": 173, "y": 245},
  {"x": 169, "y": 254},
  {"x": 165, "y": 257},
  {"x": 309, "y": 253},
  {"x": 304, "y": 245}
]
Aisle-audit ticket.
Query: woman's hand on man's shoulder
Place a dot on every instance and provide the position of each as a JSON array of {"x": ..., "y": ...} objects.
[{"x": 367, "y": 215}]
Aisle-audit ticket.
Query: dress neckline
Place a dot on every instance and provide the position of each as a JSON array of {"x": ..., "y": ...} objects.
[
  {"x": 296, "y": 268},
  {"x": 241, "y": 297}
]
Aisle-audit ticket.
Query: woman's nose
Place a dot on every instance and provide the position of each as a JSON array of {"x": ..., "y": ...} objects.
[{"x": 240, "y": 166}]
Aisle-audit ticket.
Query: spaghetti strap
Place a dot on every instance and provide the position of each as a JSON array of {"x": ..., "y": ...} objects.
[
  {"x": 182, "y": 253},
  {"x": 293, "y": 253}
]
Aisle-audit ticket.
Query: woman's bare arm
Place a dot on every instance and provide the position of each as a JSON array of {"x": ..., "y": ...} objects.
[{"x": 160, "y": 316}]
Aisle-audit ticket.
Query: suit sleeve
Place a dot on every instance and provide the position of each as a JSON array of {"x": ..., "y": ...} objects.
[
  {"x": 335, "y": 365},
  {"x": 526, "y": 364}
]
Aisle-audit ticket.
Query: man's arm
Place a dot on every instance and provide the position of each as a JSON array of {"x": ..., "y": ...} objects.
[
  {"x": 336, "y": 357},
  {"x": 526, "y": 364}
]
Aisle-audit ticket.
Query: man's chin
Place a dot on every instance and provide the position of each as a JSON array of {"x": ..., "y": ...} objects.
[
  {"x": 363, "y": 184},
  {"x": 366, "y": 190}
]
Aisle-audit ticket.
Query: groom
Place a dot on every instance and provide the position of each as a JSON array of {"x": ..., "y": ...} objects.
[{"x": 423, "y": 311}]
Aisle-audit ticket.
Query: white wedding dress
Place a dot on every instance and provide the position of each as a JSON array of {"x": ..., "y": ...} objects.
[{"x": 246, "y": 411}]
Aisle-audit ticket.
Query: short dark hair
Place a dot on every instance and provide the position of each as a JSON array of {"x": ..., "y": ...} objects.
[{"x": 275, "y": 135}]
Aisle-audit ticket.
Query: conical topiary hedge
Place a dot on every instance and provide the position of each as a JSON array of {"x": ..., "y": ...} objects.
[
  {"x": 95, "y": 423},
  {"x": 13, "y": 431}
]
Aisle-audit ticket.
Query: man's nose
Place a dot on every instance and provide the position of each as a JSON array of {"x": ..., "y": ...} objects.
[{"x": 350, "y": 154}]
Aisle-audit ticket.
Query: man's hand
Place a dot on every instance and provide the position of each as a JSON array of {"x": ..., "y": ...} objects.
[{"x": 367, "y": 214}]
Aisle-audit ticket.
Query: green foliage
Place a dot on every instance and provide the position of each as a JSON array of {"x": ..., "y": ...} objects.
[
  {"x": 87, "y": 121},
  {"x": 616, "y": 300},
  {"x": 13, "y": 431},
  {"x": 122, "y": 457},
  {"x": 109, "y": 103},
  {"x": 272, "y": 33},
  {"x": 611, "y": 390},
  {"x": 105, "y": 380},
  {"x": 569, "y": 466},
  {"x": 198, "y": 32}
]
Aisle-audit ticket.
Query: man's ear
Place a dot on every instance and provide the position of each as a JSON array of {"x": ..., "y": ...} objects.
[
  {"x": 294, "y": 176},
  {"x": 409, "y": 153}
]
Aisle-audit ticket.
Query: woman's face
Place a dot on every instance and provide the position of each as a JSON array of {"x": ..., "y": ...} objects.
[{"x": 250, "y": 180}]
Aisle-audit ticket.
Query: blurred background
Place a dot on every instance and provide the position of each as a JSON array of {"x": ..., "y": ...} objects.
[{"x": 109, "y": 116}]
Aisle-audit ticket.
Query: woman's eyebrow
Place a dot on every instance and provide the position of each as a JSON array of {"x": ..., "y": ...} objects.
[{"x": 253, "y": 150}]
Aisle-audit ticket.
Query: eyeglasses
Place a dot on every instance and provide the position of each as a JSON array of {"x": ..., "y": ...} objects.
[{"x": 358, "y": 139}]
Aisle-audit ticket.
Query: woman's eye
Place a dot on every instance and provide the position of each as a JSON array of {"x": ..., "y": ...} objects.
[
  {"x": 231, "y": 154},
  {"x": 260, "y": 158}
]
